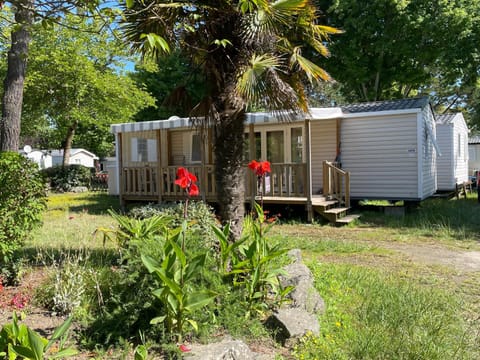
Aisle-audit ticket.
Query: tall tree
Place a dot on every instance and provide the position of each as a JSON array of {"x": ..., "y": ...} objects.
[
  {"x": 250, "y": 54},
  {"x": 398, "y": 48},
  {"x": 26, "y": 13},
  {"x": 14, "y": 80},
  {"x": 75, "y": 82}
]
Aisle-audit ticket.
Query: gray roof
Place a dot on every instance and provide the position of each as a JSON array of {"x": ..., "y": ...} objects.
[
  {"x": 387, "y": 105},
  {"x": 474, "y": 139},
  {"x": 445, "y": 119}
]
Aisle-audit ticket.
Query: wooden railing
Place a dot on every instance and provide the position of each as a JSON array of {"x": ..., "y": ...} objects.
[
  {"x": 285, "y": 180},
  {"x": 147, "y": 181},
  {"x": 336, "y": 183}
]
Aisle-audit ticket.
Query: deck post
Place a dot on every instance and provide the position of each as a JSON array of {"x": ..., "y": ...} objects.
[
  {"x": 159, "y": 177},
  {"x": 309, "y": 169},
  {"x": 120, "y": 172},
  {"x": 251, "y": 176},
  {"x": 203, "y": 172}
]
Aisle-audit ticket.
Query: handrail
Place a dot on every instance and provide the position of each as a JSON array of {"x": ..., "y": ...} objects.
[{"x": 336, "y": 183}]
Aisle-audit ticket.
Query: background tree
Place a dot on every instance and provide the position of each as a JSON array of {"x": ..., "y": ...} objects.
[
  {"x": 175, "y": 85},
  {"x": 75, "y": 82},
  {"x": 250, "y": 54},
  {"x": 395, "y": 49},
  {"x": 26, "y": 14}
]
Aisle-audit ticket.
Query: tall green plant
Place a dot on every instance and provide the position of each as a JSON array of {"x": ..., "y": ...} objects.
[
  {"x": 252, "y": 263},
  {"x": 19, "y": 341},
  {"x": 177, "y": 275}
]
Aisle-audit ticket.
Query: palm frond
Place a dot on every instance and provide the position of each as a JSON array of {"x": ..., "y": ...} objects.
[
  {"x": 311, "y": 70},
  {"x": 251, "y": 82}
]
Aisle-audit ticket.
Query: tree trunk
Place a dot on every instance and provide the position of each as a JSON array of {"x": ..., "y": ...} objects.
[
  {"x": 67, "y": 144},
  {"x": 229, "y": 170},
  {"x": 14, "y": 80}
]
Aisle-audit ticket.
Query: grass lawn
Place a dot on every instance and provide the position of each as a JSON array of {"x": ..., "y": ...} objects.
[{"x": 395, "y": 288}]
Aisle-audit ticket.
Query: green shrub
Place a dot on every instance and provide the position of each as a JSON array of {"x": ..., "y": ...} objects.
[
  {"x": 22, "y": 201},
  {"x": 64, "y": 178}
]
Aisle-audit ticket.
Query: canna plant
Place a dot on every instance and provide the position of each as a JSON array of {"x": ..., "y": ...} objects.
[
  {"x": 17, "y": 341},
  {"x": 252, "y": 264},
  {"x": 177, "y": 275}
]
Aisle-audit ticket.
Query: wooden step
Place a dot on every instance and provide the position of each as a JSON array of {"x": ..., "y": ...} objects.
[
  {"x": 336, "y": 211},
  {"x": 347, "y": 219},
  {"x": 326, "y": 203}
]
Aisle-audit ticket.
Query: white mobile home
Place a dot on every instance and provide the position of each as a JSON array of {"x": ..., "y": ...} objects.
[
  {"x": 379, "y": 150},
  {"x": 452, "y": 138},
  {"x": 77, "y": 157},
  {"x": 473, "y": 154}
]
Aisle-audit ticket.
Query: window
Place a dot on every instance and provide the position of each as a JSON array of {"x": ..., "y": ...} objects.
[
  {"x": 296, "y": 145},
  {"x": 275, "y": 147},
  {"x": 196, "y": 148},
  {"x": 258, "y": 147},
  {"x": 142, "y": 149}
]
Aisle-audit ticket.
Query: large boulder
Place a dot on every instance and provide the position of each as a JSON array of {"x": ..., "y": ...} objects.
[
  {"x": 298, "y": 315},
  {"x": 304, "y": 295},
  {"x": 290, "y": 324}
]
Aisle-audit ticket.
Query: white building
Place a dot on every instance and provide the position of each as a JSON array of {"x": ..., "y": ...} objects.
[
  {"x": 452, "y": 138},
  {"x": 77, "y": 157}
]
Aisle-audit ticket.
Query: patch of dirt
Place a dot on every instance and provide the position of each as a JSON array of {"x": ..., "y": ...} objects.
[{"x": 462, "y": 261}]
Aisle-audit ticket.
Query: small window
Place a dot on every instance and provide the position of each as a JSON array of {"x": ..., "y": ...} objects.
[
  {"x": 142, "y": 149},
  {"x": 297, "y": 145},
  {"x": 196, "y": 148},
  {"x": 77, "y": 161}
]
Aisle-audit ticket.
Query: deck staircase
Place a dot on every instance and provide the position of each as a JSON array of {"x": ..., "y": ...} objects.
[
  {"x": 335, "y": 203},
  {"x": 334, "y": 212}
]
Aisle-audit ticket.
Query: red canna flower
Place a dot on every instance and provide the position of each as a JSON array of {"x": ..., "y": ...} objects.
[
  {"x": 183, "y": 348},
  {"x": 186, "y": 180},
  {"x": 260, "y": 168}
]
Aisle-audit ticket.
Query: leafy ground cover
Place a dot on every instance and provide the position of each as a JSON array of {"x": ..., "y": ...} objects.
[{"x": 395, "y": 287}]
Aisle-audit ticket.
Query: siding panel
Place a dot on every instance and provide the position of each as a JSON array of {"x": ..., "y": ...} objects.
[
  {"x": 324, "y": 147},
  {"x": 381, "y": 155}
]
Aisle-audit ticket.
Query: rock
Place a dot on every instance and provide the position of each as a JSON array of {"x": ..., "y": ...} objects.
[
  {"x": 304, "y": 295},
  {"x": 224, "y": 350},
  {"x": 297, "y": 317},
  {"x": 290, "y": 324}
]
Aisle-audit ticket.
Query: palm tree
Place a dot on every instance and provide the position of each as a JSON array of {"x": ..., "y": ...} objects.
[{"x": 250, "y": 53}]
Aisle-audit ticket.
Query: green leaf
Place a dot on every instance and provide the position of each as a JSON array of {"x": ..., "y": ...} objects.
[
  {"x": 193, "y": 323},
  {"x": 141, "y": 352},
  {"x": 150, "y": 263},
  {"x": 158, "y": 320},
  {"x": 198, "y": 299},
  {"x": 59, "y": 332},
  {"x": 37, "y": 344},
  {"x": 64, "y": 353},
  {"x": 21, "y": 351},
  {"x": 130, "y": 3}
]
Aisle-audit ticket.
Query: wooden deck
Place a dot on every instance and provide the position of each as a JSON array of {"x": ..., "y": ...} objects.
[{"x": 286, "y": 184}]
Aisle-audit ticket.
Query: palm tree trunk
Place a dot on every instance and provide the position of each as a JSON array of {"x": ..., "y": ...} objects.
[
  {"x": 229, "y": 170},
  {"x": 14, "y": 80}
]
